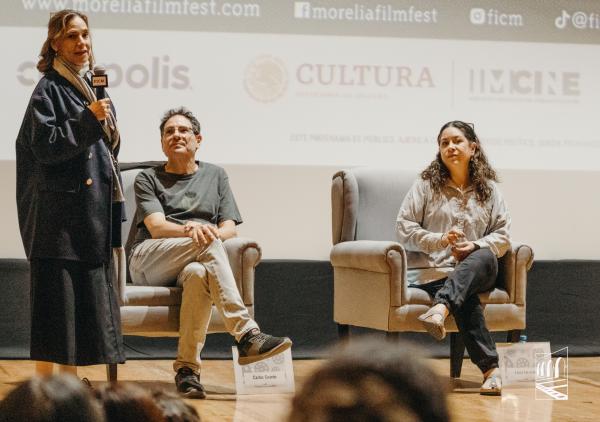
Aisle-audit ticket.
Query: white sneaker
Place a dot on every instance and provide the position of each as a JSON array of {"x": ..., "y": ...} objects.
[
  {"x": 433, "y": 323},
  {"x": 492, "y": 385}
]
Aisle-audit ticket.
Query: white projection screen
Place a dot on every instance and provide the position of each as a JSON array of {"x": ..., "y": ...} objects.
[{"x": 336, "y": 82}]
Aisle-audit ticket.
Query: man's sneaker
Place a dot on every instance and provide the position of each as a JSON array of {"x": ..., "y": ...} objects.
[
  {"x": 255, "y": 346},
  {"x": 188, "y": 384}
]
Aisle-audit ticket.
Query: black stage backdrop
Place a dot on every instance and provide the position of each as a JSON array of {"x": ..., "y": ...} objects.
[{"x": 295, "y": 298}]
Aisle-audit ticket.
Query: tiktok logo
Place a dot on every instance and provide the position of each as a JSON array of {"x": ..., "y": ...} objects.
[{"x": 562, "y": 21}]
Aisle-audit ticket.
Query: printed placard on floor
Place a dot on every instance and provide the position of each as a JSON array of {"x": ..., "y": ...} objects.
[
  {"x": 517, "y": 360},
  {"x": 269, "y": 376}
]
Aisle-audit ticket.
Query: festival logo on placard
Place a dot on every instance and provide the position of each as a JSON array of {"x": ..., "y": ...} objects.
[{"x": 552, "y": 375}]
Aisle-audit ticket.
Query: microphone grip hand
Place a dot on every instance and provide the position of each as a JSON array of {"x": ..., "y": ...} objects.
[{"x": 100, "y": 109}]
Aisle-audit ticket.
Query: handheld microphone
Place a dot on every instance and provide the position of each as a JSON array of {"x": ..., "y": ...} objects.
[{"x": 100, "y": 81}]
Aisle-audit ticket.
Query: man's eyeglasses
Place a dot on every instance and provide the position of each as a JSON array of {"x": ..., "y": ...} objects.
[{"x": 184, "y": 131}]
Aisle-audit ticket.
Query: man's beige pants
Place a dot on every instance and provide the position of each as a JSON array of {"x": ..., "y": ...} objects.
[{"x": 206, "y": 278}]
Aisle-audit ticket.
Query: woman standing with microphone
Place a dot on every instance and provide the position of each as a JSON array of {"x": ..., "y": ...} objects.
[{"x": 69, "y": 200}]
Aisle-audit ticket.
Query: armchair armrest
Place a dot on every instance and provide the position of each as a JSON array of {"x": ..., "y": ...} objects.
[
  {"x": 514, "y": 265},
  {"x": 375, "y": 256},
  {"x": 244, "y": 255}
]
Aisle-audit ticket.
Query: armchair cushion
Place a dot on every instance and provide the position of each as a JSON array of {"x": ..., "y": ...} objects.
[
  {"x": 417, "y": 296},
  {"x": 153, "y": 296}
]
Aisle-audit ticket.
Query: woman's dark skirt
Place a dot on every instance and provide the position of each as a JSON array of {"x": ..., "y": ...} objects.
[{"x": 75, "y": 317}]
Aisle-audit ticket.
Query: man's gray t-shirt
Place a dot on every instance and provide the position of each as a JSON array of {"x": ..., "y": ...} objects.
[{"x": 204, "y": 196}]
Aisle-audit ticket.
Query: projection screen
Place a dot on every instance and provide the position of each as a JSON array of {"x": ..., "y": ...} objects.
[{"x": 335, "y": 82}]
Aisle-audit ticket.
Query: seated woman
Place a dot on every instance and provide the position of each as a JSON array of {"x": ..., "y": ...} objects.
[{"x": 454, "y": 225}]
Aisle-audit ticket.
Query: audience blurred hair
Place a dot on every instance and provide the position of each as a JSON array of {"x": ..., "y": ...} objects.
[
  {"x": 127, "y": 402},
  {"x": 64, "y": 398},
  {"x": 173, "y": 408},
  {"x": 372, "y": 380},
  {"x": 58, "y": 398}
]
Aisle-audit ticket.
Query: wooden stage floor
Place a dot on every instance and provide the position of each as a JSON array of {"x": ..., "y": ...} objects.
[{"x": 517, "y": 403}]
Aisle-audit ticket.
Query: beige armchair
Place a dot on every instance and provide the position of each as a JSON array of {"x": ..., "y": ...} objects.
[
  {"x": 370, "y": 287},
  {"x": 154, "y": 311}
]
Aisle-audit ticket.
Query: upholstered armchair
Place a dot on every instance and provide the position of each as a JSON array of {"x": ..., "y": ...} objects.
[
  {"x": 370, "y": 286},
  {"x": 154, "y": 311}
]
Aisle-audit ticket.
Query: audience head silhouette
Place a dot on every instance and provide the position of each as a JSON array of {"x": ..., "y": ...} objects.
[
  {"x": 59, "y": 398},
  {"x": 372, "y": 380}
]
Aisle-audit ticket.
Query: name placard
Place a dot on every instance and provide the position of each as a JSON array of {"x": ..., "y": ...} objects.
[
  {"x": 517, "y": 361},
  {"x": 269, "y": 376}
]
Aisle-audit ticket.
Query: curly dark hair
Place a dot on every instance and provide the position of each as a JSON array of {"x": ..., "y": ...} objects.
[
  {"x": 56, "y": 28},
  {"x": 480, "y": 170}
]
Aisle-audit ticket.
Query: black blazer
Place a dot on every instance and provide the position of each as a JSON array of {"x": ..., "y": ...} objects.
[{"x": 64, "y": 176}]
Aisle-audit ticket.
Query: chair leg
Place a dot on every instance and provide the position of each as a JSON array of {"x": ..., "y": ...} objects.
[
  {"x": 513, "y": 336},
  {"x": 457, "y": 352},
  {"x": 343, "y": 331},
  {"x": 111, "y": 372}
]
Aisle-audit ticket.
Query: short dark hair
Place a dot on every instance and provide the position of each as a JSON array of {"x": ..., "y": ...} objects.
[
  {"x": 56, "y": 398},
  {"x": 372, "y": 380},
  {"x": 180, "y": 111},
  {"x": 128, "y": 402},
  {"x": 173, "y": 407}
]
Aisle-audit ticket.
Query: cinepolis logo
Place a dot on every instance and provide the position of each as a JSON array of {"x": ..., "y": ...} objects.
[
  {"x": 266, "y": 79},
  {"x": 157, "y": 72}
]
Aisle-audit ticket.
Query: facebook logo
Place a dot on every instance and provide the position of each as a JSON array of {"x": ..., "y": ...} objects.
[{"x": 302, "y": 10}]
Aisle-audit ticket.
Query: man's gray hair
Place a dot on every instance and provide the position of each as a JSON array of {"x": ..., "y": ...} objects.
[{"x": 181, "y": 111}]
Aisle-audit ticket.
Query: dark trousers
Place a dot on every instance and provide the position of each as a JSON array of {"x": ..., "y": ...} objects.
[{"x": 476, "y": 274}]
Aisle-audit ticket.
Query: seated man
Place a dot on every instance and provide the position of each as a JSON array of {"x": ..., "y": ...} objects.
[{"x": 185, "y": 209}]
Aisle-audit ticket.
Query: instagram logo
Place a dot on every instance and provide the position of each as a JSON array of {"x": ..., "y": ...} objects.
[
  {"x": 477, "y": 16},
  {"x": 494, "y": 17}
]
